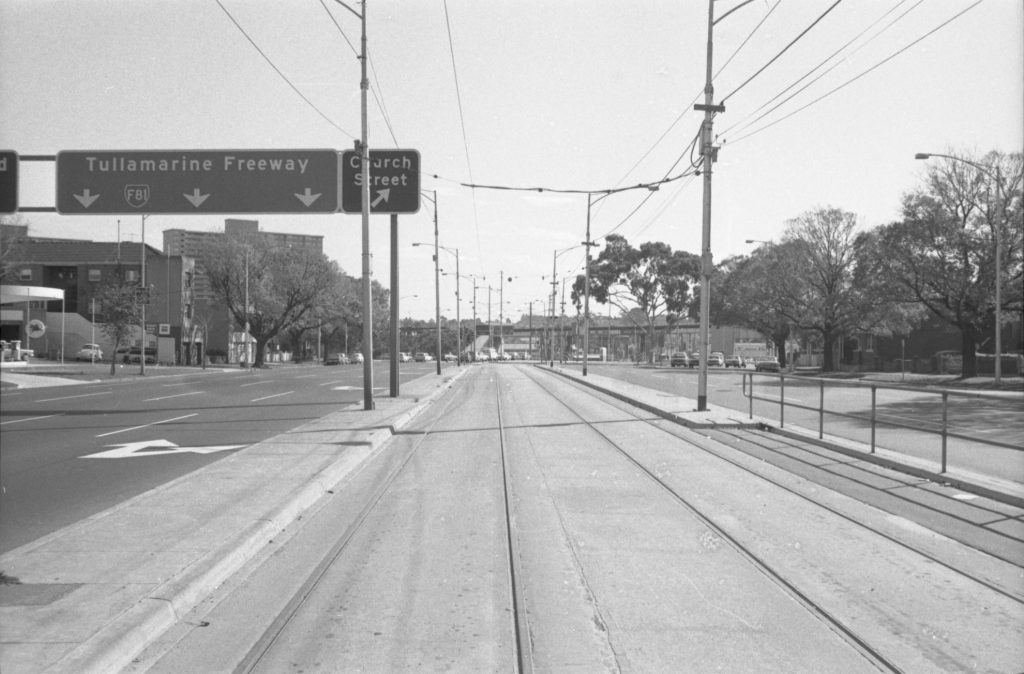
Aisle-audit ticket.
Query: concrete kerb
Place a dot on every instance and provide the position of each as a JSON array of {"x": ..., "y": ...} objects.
[
  {"x": 694, "y": 420},
  {"x": 116, "y": 643},
  {"x": 997, "y": 490}
]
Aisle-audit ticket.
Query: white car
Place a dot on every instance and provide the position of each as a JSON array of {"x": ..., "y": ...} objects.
[{"x": 90, "y": 352}]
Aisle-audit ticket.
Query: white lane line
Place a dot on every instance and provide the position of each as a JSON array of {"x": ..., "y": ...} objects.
[
  {"x": 18, "y": 421},
  {"x": 176, "y": 395},
  {"x": 181, "y": 383},
  {"x": 332, "y": 383},
  {"x": 135, "y": 428},
  {"x": 276, "y": 395},
  {"x": 84, "y": 395},
  {"x": 257, "y": 383},
  {"x": 307, "y": 376}
]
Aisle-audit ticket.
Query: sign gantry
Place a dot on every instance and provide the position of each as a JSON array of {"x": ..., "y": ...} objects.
[{"x": 182, "y": 182}]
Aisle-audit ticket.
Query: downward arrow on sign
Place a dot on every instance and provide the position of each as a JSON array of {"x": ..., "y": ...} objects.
[
  {"x": 196, "y": 199},
  {"x": 86, "y": 198},
  {"x": 308, "y": 198}
]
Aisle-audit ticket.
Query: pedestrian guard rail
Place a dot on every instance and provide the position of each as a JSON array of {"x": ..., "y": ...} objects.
[{"x": 777, "y": 382}]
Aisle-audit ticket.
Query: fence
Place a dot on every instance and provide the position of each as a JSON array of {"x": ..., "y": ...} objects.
[{"x": 873, "y": 418}]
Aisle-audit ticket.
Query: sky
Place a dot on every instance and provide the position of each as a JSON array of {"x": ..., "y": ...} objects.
[{"x": 573, "y": 95}]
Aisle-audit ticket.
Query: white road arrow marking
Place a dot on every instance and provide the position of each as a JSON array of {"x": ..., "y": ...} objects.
[
  {"x": 196, "y": 199},
  {"x": 86, "y": 198},
  {"x": 136, "y": 449},
  {"x": 382, "y": 195},
  {"x": 308, "y": 198}
]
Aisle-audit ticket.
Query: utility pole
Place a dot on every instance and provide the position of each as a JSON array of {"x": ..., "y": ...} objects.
[
  {"x": 437, "y": 287},
  {"x": 709, "y": 152},
  {"x": 586, "y": 291},
  {"x": 364, "y": 157}
]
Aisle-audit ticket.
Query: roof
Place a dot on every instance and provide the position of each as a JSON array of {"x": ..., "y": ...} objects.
[
  {"x": 78, "y": 252},
  {"x": 12, "y": 294}
]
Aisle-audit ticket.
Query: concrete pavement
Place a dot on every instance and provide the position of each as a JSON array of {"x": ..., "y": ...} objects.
[{"x": 90, "y": 597}]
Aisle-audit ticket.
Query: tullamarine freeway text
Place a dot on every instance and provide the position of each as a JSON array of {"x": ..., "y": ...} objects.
[{"x": 186, "y": 164}]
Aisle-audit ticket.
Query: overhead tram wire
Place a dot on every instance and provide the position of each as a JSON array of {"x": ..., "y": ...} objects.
[
  {"x": 462, "y": 123},
  {"x": 862, "y": 74},
  {"x": 784, "y": 50},
  {"x": 688, "y": 108},
  {"x": 744, "y": 123},
  {"x": 378, "y": 99},
  {"x": 281, "y": 74}
]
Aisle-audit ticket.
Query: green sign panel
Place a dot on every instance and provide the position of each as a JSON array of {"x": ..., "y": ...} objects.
[
  {"x": 394, "y": 181},
  {"x": 112, "y": 182},
  {"x": 8, "y": 182}
]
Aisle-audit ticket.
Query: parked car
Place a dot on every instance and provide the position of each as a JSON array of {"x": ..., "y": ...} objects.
[
  {"x": 123, "y": 354},
  {"x": 735, "y": 361},
  {"x": 404, "y": 357},
  {"x": 90, "y": 352},
  {"x": 695, "y": 359},
  {"x": 679, "y": 359},
  {"x": 767, "y": 364},
  {"x": 336, "y": 359},
  {"x": 716, "y": 359},
  {"x": 450, "y": 358},
  {"x": 423, "y": 357},
  {"x": 357, "y": 358},
  {"x": 482, "y": 356},
  {"x": 135, "y": 355}
]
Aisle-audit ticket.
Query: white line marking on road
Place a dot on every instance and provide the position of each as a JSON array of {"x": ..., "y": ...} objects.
[
  {"x": 18, "y": 421},
  {"x": 176, "y": 395},
  {"x": 84, "y": 395},
  {"x": 332, "y": 383},
  {"x": 181, "y": 383},
  {"x": 257, "y": 383},
  {"x": 135, "y": 428},
  {"x": 306, "y": 376},
  {"x": 276, "y": 395}
]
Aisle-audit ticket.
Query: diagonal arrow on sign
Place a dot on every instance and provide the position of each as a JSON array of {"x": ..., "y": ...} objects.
[
  {"x": 136, "y": 449},
  {"x": 196, "y": 199},
  {"x": 308, "y": 198},
  {"x": 86, "y": 197},
  {"x": 382, "y": 195}
]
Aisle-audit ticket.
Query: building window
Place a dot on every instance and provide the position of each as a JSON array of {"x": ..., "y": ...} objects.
[
  {"x": 94, "y": 275},
  {"x": 25, "y": 275},
  {"x": 131, "y": 276}
]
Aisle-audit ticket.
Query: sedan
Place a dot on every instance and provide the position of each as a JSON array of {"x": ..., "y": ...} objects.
[
  {"x": 423, "y": 357},
  {"x": 90, "y": 352},
  {"x": 680, "y": 359},
  {"x": 336, "y": 359},
  {"x": 767, "y": 365},
  {"x": 735, "y": 361}
]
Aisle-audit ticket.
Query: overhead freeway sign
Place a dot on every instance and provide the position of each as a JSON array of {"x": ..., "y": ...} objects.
[
  {"x": 8, "y": 181},
  {"x": 115, "y": 182},
  {"x": 394, "y": 181}
]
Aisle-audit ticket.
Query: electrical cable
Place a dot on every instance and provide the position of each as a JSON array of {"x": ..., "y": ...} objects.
[
  {"x": 862, "y": 74},
  {"x": 281, "y": 74},
  {"x": 462, "y": 122},
  {"x": 784, "y": 50},
  {"x": 744, "y": 123}
]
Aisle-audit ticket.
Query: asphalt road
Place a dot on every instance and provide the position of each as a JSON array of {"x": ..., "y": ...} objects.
[{"x": 71, "y": 451}]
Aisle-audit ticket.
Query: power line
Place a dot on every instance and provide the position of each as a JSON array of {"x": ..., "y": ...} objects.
[
  {"x": 743, "y": 123},
  {"x": 784, "y": 50},
  {"x": 862, "y": 74},
  {"x": 462, "y": 122},
  {"x": 281, "y": 74}
]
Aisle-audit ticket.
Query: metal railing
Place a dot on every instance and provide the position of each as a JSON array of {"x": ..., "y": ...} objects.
[{"x": 778, "y": 381}]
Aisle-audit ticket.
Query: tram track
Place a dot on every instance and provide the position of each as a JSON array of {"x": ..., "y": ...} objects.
[
  {"x": 707, "y": 442},
  {"x": 848, "y": 634}
]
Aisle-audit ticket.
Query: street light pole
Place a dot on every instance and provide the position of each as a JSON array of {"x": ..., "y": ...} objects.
[
  {"x": 586, "y": 288},
  {"x": 997, "y": 235}
]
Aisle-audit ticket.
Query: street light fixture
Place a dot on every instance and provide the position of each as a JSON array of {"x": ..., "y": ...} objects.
[{"x": 999, "y": 253}]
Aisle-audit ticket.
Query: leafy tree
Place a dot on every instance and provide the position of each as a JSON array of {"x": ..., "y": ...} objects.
[
  {"x": 742, "y": 293},
  {"x": 652, "y": 278},
  {"x": 816, "y": 279},
  {"x": 284, "y": 284},
  {"x": 942, "y": 254},
  {"x": 120, "y": 310}
]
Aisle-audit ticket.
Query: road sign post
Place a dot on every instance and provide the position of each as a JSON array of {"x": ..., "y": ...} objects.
[
  {"x": 183, "y": 182},
  {"x": 394, "y": 181},
  {"x": 8, "y": 182}
]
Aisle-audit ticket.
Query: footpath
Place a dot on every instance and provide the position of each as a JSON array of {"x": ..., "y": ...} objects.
[{"x": 92, "y": 596}]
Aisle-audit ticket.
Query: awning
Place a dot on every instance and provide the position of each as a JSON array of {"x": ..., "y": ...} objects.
[{"x": 13, "y": 294}]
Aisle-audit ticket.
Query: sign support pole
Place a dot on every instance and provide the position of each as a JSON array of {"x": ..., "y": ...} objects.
[
  {"x": 142, "y": 299},
  {"x": 364, "y": 154},
  {"x": 395, "y": 327}
]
